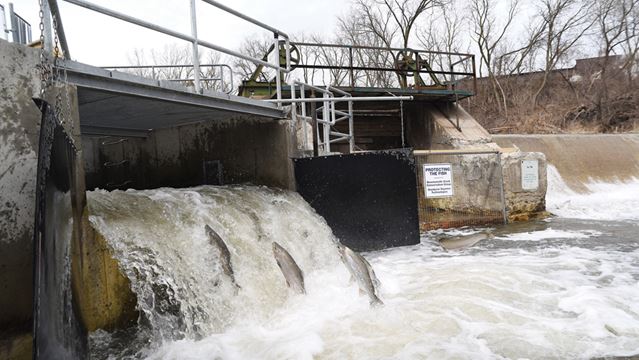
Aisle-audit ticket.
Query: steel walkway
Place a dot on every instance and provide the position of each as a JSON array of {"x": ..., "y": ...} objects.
[{"x": 122, "y": 104}]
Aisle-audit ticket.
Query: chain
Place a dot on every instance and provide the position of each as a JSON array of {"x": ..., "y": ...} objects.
[
  {"x": 56, "y": 75},
  {"x": 45, "y": 67},
  {"x": 50, "y": 74}
]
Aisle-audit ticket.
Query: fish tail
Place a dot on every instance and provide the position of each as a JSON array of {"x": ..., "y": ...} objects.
[{"x": 375, "y": 301}]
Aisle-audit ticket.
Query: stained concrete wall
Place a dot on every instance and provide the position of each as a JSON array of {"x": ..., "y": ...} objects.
[
  {"x": 19, "y": 136},
  {"x": 523, "y": 204},
  {"x": 580, "y": 159},
  {"x": 433, "y": 126},
  {"x": 477, "y": 188},
  {"x": 250, "y": 149}
]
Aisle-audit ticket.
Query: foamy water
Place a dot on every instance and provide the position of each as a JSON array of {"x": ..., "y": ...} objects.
[
  {"x": 604, "y": 201},
  {"x": 555, "y": 289}
]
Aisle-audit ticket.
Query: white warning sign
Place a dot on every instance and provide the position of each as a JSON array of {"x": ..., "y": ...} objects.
[
  {"x": 529, "y": 174},
  {"x": 438, "y": 180}
]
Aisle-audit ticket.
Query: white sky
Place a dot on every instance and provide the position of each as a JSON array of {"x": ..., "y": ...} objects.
[{"x": 100, "y": 40}]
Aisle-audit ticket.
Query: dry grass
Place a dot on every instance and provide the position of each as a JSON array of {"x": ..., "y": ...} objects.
[{"x": 588, "y": 106}]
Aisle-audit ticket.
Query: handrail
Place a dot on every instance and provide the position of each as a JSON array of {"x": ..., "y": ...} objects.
[
  {"x": 196, "y": 41},
  {"x": 443, "y": 68},
  {"x": 153, "y": 74},
  {"x": 367, "y": 47},
  {"x": 247, "y": 18}
]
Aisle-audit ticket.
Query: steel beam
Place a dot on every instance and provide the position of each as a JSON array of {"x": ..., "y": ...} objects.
[
  {"x": 112, "y": 131},
  {"x": 91, "y": 77}
]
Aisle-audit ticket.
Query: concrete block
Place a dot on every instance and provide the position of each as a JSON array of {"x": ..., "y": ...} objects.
[{"x": 522, "y": 204}]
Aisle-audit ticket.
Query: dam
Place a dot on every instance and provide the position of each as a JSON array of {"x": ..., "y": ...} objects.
[{"x": 112, "y": 178}]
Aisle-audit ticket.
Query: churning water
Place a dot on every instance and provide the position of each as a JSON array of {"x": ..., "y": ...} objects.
[{"x": 566, "y": 287}]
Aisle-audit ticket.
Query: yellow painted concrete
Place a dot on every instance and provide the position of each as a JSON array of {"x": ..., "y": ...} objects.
[
  {"x": 18, "y": 347},
  {"x": 103, "y": 294}
]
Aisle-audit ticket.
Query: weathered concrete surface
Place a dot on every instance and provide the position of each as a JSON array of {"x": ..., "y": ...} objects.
[
  {"x": 476, "y": 183},
  {"x": 581, "y": 159},
  {"x": 432, "y": 126},
  {"x": 522, "y": 205},
  {"x": 19, "y": 131},
  {"x": 19, "y": 137},
  {"x": 103, "y": 294},
  {"x": 250, "y": 149},
  {"x": 476, "y": 177}
]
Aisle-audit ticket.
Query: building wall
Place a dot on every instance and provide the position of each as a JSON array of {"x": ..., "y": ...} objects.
[
  {"x": 250, "y": 150},
  {"x": 19, "y": 137}
]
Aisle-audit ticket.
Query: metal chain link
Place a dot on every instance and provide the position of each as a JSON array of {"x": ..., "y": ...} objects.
[
  {"x": 50, "y": 74},
  {"x": 45, "y": 67},
  {"x": 56, "y": 74},
  {"x": 61, "y": 81}
]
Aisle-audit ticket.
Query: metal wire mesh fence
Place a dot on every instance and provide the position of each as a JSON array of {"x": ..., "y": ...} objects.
[{"x": 459, "y": 188}]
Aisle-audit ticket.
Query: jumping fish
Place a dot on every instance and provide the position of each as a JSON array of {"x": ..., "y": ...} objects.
[
  {"x": 362, "y": 272},
  {"x": 225, "y": 254},
  {"x": 292, "y": 273},
  {"x": 458, "y": 242}
]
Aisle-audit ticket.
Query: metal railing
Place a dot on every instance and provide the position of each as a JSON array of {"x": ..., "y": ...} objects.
[
  {"x": 411, "y": 67},
  {"x": 18, "y": 27},
  {"x": 326, "y": 116},
  {"x": 204, "y": 76},
  {"x": 196, "y": 41}
]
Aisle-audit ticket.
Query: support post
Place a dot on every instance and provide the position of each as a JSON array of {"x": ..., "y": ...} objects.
[
  {"x": 350, "y": 64},
  {"x": 326, "y": 116},
  {"x": 351, "y": 130},
  {"x": 46, "y": 20},
  {"x": 304, "y": 122},
  {"x": 55, "y": 12},
  {"x": 474, "y": 74},
  {"x": 196, "y": 56},
  {"x": 278, "y": 74},
  {"x": 501, "y": 189},
  {"x": 314, "y": 127}
]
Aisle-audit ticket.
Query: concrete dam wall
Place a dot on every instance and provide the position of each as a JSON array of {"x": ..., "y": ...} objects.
[{"x": 583, "y": 159}]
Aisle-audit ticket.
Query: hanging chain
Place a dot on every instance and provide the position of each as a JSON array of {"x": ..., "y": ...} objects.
[
  {"x": 401, "y": 109},
  {"x": 50, "y": 74},
  {"x": 45, "y": 67},
  {"x": 56, "y": 74}
]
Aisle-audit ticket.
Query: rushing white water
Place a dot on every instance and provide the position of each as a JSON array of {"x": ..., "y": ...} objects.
[
  {"x": 603, "y": 201},
  {"x": 159, "y": 240},
  {"x": 555, "y": 289}
]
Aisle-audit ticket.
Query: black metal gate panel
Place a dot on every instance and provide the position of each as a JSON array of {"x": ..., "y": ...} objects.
[
  {"x": 57, "y": 332},
  {"x": 368, "y": 199}
]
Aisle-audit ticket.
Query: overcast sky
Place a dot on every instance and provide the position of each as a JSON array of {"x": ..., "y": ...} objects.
[{"x": 99, "y": 40}]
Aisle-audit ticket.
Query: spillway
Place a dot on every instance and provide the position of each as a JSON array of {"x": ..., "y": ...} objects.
[{"x": 564, "y": 287}]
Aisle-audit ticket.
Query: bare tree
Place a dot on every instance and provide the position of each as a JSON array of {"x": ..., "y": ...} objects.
[
  {"x": 393, "y": 21},
  {"x": 374, "y": 19},
  {"x": 612, "y": 18},
  {"x": 631, "y": 44},
  {"x": 256, "y": 47},
  {"x": 174, "y": 63},
  {"x": 564, "y": 24},
  {"x": 443, "y": 36},
  {"x": 354, "y": 29},
  {"x": 488, "y": 35},
  {"x": 406, "y": 12},
  {"x": 522, "y": 59}
]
